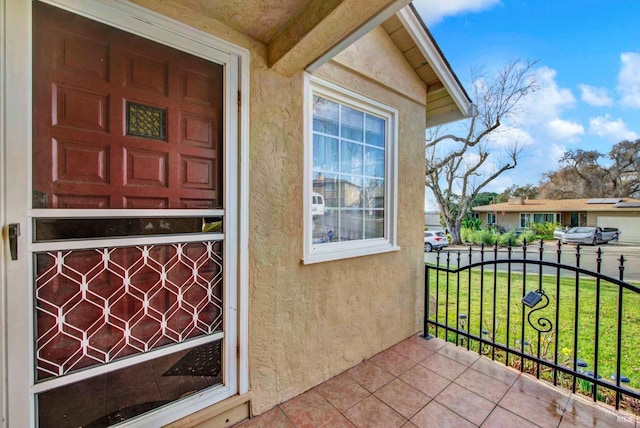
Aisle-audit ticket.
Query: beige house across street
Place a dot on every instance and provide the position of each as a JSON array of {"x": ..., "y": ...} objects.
[
  {"x": 518, "y": 213},
  {"x": 160, "y": 262}
]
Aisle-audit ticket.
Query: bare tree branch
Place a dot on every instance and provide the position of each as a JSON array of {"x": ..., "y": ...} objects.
[{"x": 455, "y": 162}]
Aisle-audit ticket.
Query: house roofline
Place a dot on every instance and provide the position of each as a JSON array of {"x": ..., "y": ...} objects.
[{"x": 416, "y": 27}]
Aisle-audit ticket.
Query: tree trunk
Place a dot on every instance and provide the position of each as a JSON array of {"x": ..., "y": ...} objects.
[{"x": 454, "y": 231}]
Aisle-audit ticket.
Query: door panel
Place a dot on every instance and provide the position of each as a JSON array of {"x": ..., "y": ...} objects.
[{"x": 122, "y": 122}]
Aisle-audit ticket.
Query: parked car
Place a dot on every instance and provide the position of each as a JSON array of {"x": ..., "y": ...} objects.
[
  {"x": 559, "y": 232},
  {"x": 590, "y": 235},
  {"x": 435, "y": 241}
]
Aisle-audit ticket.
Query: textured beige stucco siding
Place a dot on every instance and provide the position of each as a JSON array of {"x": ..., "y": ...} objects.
[{"x": 308, "y": 323}]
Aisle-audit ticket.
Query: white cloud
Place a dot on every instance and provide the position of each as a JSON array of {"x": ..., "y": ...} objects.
[
  {"x": 505, "y": 137},
  {"x": 549, "y": 102},
  {"x": 614, "y": 130},
  {"x": 564, "y": 130},
  {"x": 629, "y": 79},
  {"x": 433, "y": 11},
  {"x": 595, "y": 96}
]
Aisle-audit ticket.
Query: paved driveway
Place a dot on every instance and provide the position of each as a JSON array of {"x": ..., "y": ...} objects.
[{"x": 610, "y": 263}]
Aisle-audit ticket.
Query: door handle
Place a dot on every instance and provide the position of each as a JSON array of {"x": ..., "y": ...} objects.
[{"x": 14, "y": 232}]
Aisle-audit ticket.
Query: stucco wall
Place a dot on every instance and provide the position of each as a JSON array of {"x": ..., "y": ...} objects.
[{"x": 310, "y": 322}]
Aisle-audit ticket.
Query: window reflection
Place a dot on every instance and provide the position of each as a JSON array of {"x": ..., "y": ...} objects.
[
  {"x": 348, "y": 198},
  {"x": 49, "y": 229}
]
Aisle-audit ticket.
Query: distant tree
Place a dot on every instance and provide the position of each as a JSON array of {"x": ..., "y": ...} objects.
[
  {"x": 483, "y": 198},
  {"x": 454, "y": 162},
  {"x": 585, "y": 174},
  {"x": 528, "y": 191}
]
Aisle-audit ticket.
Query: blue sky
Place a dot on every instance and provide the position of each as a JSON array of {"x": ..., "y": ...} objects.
[{"x": 588, "y": 55}]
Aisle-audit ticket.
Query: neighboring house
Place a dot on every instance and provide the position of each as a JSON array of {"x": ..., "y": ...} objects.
[
  {"x": 160, "y": 160},
  {"x": 518, "y": 213}
]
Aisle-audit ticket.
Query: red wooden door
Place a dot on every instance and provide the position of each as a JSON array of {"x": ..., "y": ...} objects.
[{"x": 120, "y": 121}]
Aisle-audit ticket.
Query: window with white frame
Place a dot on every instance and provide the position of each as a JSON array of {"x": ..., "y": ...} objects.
[
  {"x": 544, "y": 218},
  {"x": 350, "y": 173},
  {"x": 491, "y": 218},
  {"x": 525, "y": 219}
]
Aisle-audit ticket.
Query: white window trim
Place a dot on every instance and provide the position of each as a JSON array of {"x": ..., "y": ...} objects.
[
  {"x": 341, "y": 250},
  {"x": 495, "y": 218}
]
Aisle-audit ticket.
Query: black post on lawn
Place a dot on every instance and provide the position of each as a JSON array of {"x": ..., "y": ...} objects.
[
  {"x": 495, "y": 290},
  {"x": 481, "y": 298},
  {"x": 538, "y": 348},
  {"x": 508, "y": 303},
  {"x": 524, "y": 292},
  {"x": 446, "y": 299},
  {"x": 575, "y": 318},
  {"x": 557, "y": 335},
  {"x": 427, "y": 301},
  {"x": 597, "y": 330},
  {"x": 469, "y": 298},
  {"x": 619, "y": 344},
  {"x": 457, "y": 296}
]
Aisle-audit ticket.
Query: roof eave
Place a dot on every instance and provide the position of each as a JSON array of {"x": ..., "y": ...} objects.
[{"x": 431, "y": 51}]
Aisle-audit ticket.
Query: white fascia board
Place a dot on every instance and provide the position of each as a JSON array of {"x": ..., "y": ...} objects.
[{"x": 437, "y": 62}]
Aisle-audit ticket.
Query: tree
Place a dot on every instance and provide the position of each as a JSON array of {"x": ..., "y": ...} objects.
[
  {"x": 528, "y": 191},
  {"x": 583, "y": 176},
  {"x": 454, "y": 163}
]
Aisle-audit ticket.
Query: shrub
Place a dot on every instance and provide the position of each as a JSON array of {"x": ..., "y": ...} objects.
[
  {"x": 487, "y": 237},
  {"x": 529, "y": 236},
  {"x": 508, "y": 239}
]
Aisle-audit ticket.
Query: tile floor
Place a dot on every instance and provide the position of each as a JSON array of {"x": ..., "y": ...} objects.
[{"x": 420, "y": 383}]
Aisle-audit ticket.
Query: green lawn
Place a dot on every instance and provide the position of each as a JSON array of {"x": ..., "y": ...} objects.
[{"x": 510, "y": 306}]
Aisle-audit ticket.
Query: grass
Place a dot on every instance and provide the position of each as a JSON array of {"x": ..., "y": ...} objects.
[{"x": 567, "y": 330}]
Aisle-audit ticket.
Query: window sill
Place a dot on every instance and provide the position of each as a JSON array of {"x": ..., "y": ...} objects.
[{"x": 339, "y": 254}]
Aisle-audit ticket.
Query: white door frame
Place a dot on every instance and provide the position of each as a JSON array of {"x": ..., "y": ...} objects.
[{"x": 17, "y": 408}]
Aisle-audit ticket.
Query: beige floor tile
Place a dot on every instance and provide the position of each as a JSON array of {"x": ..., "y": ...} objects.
[
  {"x": 496, "y": 370},
  {"x": 425, "y": 380},
  {"x": 274, "y": 418},
  {"x": 444, "y": 366},
  {"x": 370, "y": 376},
  {"x": 309, "y": 410},
  {"x": 502, "y": 418},
  {"x": 465, "y": 403},
  {"x": 532, "y": 408},
  {"x": 483, "y": 385},
  {"x": 342, "y": 391},
  {"x": 410, "y": 349},
  {"x": 373, "y": 413},
  {"x": 435, "y": 415},
  {"x": 582, "y": 414},
  {"x": 393, "y": 362},
  {"x": 459, "y": 354},
  {"x": 402, "y": 398}
]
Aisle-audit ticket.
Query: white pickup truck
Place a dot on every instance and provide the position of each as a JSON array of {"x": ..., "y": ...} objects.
[{"x": 587, "y": 235}]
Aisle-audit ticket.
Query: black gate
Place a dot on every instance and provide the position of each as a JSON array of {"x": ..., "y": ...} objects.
[{"x": 574, "y": 327}]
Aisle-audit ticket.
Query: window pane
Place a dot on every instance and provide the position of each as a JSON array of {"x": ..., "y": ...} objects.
[
  {"x": 325, "y": 153},
  {"x": 350, "y": 191},
  {"x": 374, "y": 224},
  {"x": 327, "y": 186},
  {"x": 325, "y": 227},
  {"x": 352, "y": 124},
  {"x": 325, "y": 116},
  {"x": 373, "y": 194},
  {"x": 351, "y": 158},
  {"x": 373, "y": 162},
  {"x": 351, "y": 223},
  {"x": 375, "y": 131}
]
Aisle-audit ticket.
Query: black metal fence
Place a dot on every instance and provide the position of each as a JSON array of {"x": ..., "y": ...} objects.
[{"x": 575, "y": 327}]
